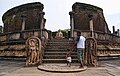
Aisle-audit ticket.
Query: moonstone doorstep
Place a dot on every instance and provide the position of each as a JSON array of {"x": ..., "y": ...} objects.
[{"x": 60, "y": 68}]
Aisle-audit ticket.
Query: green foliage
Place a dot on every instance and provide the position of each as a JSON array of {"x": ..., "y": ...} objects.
[{"x": 65, "y": 30}]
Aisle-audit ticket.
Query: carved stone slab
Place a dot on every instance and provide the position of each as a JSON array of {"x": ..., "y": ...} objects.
[{"x": 33, "y": 51}]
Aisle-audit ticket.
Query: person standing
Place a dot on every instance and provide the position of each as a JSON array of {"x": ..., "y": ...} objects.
[{"x": 80, "y": 41}]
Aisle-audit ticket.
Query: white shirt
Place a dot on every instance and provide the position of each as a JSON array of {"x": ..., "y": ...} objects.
[{"x": 81, "y": 42}]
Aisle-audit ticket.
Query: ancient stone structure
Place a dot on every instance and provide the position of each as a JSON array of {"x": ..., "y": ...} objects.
[
  {"x": 87, "y": 18},
  {"x": 21, "y": 23},
  {"x": 82, "y": 13},
  {"x": 28, "y": 26},
  {"x": 90, "y": 21},
  {"x": 25, "y": 17}
]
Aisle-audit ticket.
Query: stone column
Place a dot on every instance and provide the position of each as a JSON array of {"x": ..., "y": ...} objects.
[
  {"x": 118, "y": 32},
  {"x": 113, "y": 29},
  {"x": 91, "y": 25},
  {"x": 71, "y": 23},
  {"x": 43, "y": 29},
  {"x": 1, "y": 29},
  {"x": 23, "y": 22},
  {"x": 42, "y": 23}
]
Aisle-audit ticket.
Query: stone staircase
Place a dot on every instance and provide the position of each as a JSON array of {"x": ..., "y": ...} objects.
[{"x": 55, "y": 51}]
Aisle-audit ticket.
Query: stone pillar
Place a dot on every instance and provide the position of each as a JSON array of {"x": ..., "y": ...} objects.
[
  {"x": 118, "y": 32},
  {"x": 42, "y": 23},
  {"x": 71, "y": 23},
  {"x": 91, "y": 25},
  {"x": 23, "y": 22},
  {"x": 113, "y": 29},
  {"x": 1, "y": 29}
]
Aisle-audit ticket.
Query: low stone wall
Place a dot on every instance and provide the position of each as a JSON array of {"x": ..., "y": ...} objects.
[
  {"x": 107, "y": 44},
  {"x": 13, "y": 44}
]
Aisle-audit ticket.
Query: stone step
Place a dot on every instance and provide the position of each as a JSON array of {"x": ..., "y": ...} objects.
[
  {"x": 12, "y": 42},
  {"x": 58, "y": 56},
  {"x": 59, "y": 44},
  {"x": 57, "y": 49},
  {"x": 60, "y": 40},
  {"x": 58, "y": 61},
  {"x": 58, "y": 53}
]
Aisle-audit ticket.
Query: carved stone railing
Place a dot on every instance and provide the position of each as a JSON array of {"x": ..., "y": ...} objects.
[
  {"x": 107, "y": 37},
  {"x": 100, "y": 36},
  {"x": 107, "y": 44},
  {"x": 21, "y": 35}
]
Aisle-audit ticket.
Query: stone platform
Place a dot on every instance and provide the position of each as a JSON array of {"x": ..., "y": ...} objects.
[
  {"x": 17, "y": 68},
  {"x": 61, "y": 68}
]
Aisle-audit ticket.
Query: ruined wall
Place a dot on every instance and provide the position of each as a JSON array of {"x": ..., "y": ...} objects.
[
  {"x": 81, "y": 13},
  {"x": 32, "y": 13}
]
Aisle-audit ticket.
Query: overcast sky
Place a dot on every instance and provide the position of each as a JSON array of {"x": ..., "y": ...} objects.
[{"x": 57, "y": 11}]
